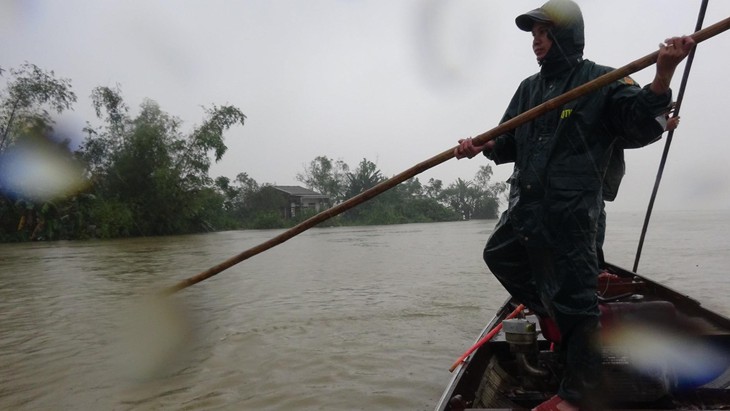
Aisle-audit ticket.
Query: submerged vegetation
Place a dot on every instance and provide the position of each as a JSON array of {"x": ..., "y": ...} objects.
[{"x": 143, "y": 175}]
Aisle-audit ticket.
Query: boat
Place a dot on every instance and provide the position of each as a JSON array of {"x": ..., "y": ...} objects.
[{"x": 660, "y": 350}]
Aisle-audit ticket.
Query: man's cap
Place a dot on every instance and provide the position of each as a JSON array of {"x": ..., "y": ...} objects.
[
  {"x": 527, "y": 20},
  {"x": 556, "y": 12}
]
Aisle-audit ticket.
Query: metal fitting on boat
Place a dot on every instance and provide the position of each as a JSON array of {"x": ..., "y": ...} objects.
[
  {"x": 519, "y": 331},
  {"x": 521, "y": 335}
]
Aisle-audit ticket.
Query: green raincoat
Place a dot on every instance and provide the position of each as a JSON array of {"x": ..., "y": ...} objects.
[{"x": 543, "y": 249}]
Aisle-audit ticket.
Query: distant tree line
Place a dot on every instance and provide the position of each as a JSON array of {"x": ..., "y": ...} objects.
[
  {"x": 143, "y": 175},
  {"x": 408, "y": 202}
]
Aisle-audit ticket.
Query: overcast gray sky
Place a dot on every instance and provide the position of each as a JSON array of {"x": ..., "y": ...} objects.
[{"x": 395, "y": 82}]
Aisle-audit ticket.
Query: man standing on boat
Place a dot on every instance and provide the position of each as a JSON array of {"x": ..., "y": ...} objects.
[{"x": 543, "y": 249}]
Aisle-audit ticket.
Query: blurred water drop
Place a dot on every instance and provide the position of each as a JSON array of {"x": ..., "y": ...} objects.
[
  {"x": 38, "y": 173},
  {"x": 154, "y": 338},
  {"x": 452, "y": 42},
  {"x": 688, "y": 362}
]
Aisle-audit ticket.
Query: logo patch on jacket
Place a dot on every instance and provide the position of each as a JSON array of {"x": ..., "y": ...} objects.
[
  {"x": 628, "y": 81},
  {"x": 566, "y": 113}
]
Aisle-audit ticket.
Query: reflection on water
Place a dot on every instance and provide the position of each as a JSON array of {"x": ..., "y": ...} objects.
[{"x": 348, "y": 318}]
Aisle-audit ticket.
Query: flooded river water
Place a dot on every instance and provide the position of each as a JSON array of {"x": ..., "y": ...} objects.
[{"x": 356, "y": 318}]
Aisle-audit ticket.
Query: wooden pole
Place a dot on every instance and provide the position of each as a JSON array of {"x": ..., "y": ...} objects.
[
  {"x": 668, "y": 141},
  {"x": 523, "y": 118}
]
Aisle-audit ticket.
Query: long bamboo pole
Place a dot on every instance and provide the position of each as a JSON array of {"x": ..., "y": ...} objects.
[{"x": 523, "y": 118}]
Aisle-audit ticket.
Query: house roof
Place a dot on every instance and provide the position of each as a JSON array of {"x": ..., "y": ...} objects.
[{"x": 299, "y": 191}]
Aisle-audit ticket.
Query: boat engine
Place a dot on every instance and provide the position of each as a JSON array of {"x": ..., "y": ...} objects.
[{"x": 521, "y": 335}]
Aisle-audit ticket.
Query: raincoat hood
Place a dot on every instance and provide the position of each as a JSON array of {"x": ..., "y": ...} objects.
[{"x": 566, "y": 32}]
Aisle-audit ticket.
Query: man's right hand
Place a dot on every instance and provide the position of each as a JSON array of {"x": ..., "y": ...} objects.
[{"x": 466, "y": 148}]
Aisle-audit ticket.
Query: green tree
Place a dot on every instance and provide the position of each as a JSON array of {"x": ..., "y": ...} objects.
[
  {"x": 412, "y": 188},
  {"x": 408, "y": 202},
  {"x": 194, "y": 157},
  {"x": 28, "y": 99},
  {"x": 474, "y": 199},
  {"x": 327, "y": 177},
  {"x": 103, "y": 143},
  {"x": 375, "y": 211},
  {"x": 239, "y": 197},
  {"x": 29, "y": 209},
  {"x": 365, "y": 176},
  {"x": 412, "y": 202},
  {"x": 487, "y": 206},
  {"x": 462, "y": 197},
  {"x": 433, "y": 188},
  {"x": 147, "y": 168},
  {"x": 45, "y": 183}
]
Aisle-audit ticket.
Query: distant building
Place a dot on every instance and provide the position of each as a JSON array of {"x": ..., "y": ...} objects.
[{"x": 302, "y": 199}]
